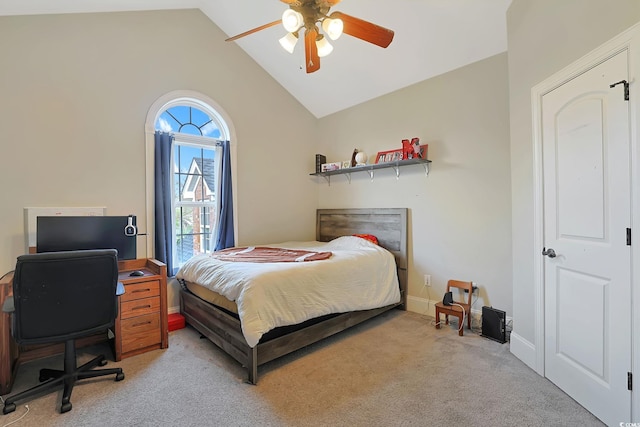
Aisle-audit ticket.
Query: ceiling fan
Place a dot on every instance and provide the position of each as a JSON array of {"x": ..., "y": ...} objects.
[{"x": 312, "y": 14}]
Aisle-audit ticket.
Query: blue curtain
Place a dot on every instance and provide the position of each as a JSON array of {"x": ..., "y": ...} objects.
[
  {"x": 162, "y": 173},
  {"x": 224, "y": 238}
]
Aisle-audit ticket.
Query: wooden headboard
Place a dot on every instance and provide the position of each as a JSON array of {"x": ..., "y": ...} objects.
[{"x": 389, "y": 225}]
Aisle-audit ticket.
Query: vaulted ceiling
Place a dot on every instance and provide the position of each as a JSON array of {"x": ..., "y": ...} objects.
[{"x": 431, "y": 38}]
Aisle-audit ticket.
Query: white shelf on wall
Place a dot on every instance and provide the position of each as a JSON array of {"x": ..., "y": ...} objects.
[{"x": 396, "y": 165}]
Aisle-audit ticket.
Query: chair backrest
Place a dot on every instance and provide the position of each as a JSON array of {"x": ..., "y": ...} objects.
[
  {"x": 64, "y": 295},
  {"x": 468, "y": 286}
]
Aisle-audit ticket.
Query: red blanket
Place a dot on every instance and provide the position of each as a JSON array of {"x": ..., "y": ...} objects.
[{"x": 268, "y": 254}]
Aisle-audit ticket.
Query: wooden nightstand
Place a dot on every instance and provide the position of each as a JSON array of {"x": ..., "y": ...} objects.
[{"x": 142, "y": 323}]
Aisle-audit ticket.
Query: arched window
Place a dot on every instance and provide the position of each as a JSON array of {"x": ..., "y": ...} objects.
[{"x": 197, "y": 135}]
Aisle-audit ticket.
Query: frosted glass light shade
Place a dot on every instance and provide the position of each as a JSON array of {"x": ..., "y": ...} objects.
[
  {"x": 324, "y": 47},
  {"x": 288, "y": 42},
  {"x": 333, "y": 27},
  {"x": 292, "y": 20}
]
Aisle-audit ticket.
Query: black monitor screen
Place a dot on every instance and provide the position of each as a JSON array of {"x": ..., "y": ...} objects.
[{"x": 68, "y": 233}]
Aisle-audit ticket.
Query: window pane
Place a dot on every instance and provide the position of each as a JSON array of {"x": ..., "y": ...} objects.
[
  {"x": 181, "y": 113},
  {"x": 188, "y": 120},
  {"x": 166, "y": 123},
  {"x": 180, "y": 183},
  {"x": 193, "y": 231},
  {"x": 188, "y": 155}
]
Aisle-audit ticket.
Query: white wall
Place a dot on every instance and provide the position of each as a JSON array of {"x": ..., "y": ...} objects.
[
  {"x": 74, "y": 95},
  {"x": 544, "y": 36},
  {"x": 460, "y": 215},
  {"x": 76, "y": 90}
]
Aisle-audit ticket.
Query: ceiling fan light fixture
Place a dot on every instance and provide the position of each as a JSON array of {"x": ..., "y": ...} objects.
[
  {"x": 288, "y": 42},
  {"x": 333, "y": 27},
  {"x": 292, "y": 20},
  {"x": 324, "y": 47}
]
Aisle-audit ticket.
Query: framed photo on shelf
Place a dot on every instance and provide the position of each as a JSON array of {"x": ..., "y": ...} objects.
[
  {"x": 328, "y": 167},
  {"x": 389, "y": 156}
]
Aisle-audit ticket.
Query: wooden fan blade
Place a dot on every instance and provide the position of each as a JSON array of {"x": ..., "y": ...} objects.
[
  {"x": 311, "y": 50},
  {"x": 255, "y": 30},
  {"x": 364, "y": 30}
]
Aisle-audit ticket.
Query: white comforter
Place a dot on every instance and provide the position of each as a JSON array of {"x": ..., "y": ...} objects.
[{"x": 359, "y": 276}]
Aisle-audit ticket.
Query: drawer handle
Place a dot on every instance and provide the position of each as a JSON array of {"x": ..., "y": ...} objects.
[
  {"x": 135, "y": 325},
  {"x": 140, "y": 307},
  {"x": 141, "y": 290}
]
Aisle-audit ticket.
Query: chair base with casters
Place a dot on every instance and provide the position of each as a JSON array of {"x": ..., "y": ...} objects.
[
  {"x": 61, "y": 297},
  {"x": 457, "y": 309},
  {"x": 53, "y": 379}
]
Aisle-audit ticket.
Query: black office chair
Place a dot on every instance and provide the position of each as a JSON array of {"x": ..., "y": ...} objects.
[{"x": 62, "y": 296}]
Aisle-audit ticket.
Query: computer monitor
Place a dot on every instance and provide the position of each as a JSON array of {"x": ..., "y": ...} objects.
[{"x": 68, "y": 233}]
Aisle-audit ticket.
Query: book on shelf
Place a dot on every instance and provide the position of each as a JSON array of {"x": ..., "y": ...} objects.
[{"x": 320, "y": 160}]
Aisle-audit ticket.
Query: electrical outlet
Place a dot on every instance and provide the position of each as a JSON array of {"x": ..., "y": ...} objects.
[{"x": 427, "y": 280}]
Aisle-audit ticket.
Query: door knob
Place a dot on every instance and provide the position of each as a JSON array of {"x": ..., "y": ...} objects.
[{"x": 549, "y": 252}]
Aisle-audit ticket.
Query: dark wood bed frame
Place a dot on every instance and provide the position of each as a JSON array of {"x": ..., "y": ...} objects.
[{"x": 222, "y": 328}]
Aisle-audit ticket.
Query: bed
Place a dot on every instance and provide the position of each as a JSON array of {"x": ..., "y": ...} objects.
[{"x": 217, "y": 318}]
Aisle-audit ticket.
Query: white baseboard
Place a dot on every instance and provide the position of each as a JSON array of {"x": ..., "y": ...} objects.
[
  {"x": 421, "y": 306},
  {"x": 523, "y": 350}
]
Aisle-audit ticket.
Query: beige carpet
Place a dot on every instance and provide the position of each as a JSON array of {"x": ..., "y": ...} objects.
[{"x": 395, "y": 370}]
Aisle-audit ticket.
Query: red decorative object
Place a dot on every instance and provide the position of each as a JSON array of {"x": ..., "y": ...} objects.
[
  {"x": 176, "y": 321},
  {"x": 389, "y": 156},
  {"x": 411, "y": 149}
]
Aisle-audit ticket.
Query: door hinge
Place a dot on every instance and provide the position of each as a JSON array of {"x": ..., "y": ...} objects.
[
  {"x": 629, "y": 381},
  {"x": 628, "y": 237},
  {"x": 626, "y": 88}
]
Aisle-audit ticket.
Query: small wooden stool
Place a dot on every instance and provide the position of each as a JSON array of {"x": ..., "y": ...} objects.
[{"x": 456, "y": 310}]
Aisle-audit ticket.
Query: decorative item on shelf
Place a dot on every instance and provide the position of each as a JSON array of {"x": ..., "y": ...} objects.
[
  {"x": 389, "y": 156},
  {"x": 423, "y": 151},
  {"x": 346, "y": 164},
  {"x": 411, "y": 149},
  {"x": 353, "y": 157},
  {"x": 361, "y": 158},
  {"x": 328, "y": 167},
  {"x": 320, "y": 159}
]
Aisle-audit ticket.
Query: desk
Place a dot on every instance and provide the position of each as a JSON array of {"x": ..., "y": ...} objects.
[{"x": 141, "y": 324}]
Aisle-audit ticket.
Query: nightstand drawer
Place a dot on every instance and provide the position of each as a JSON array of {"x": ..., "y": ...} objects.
[
  {"x": 139, "y": 307},
  {"x": 139, "y": 332},
  {"x": 146, "y": 289}
]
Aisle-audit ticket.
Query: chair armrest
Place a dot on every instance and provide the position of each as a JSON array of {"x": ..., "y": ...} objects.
[
  {"x": 119, "y": 288},
  {"x": 8, "y": 306}
]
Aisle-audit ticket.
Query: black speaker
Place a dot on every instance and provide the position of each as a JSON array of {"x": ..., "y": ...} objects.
[{"x": 494, "y": 324}]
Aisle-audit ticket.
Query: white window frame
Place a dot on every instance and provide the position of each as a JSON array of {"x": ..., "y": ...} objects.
[
  {"x": 197, "y": 142},
  {"x": 215, "y": 111}
]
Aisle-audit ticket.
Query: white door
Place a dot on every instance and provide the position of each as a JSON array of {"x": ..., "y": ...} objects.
[{"x": 587, "y": 209}]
